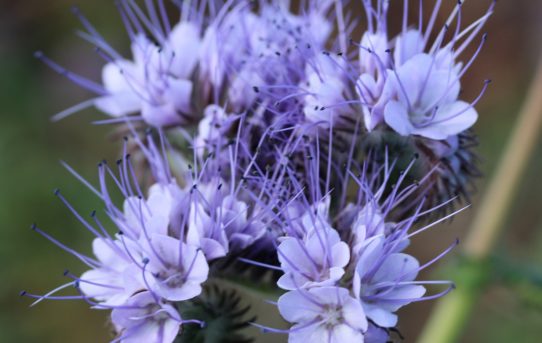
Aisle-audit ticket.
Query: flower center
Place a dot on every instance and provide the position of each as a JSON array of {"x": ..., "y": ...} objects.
[{"x": 332, "y": 317}]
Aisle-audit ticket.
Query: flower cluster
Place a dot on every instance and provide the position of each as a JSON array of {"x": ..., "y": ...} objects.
[
  {"x": 263, "y": 137},
  {"x": 345, "y": 272}
]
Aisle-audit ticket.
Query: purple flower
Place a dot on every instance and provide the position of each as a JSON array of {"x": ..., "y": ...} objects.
[
  {"x": 116, "y": 277},
  {"x": 426, "y": 100},
  {"x": 213, "y": 127},
  {"x": 177, "y": 269},
  {"x": 274, "y": 164},
  {"x": 411, "y": 85},
  {"x": 325, "y": 85},
  {"x": 241, "y": 230},
  {"x": 376, "y": 334},
  {"x": 368, "y": 223},
  {"x": 253, "y": 52},
  {"x": 145, "y": 255},
  {"x": 384, "y": 281},
  {"x": 324, "y": 314},
  {"x": 156, "y": 85},
  {"x": 143, "y": 319},
  {"x": 207, "y": 233},
  {"x": 157, "y": 82},
  {"x": 373, "y": 60},
  {"x": 316, "y": 260},
  {"x": 149, "y": 264}
]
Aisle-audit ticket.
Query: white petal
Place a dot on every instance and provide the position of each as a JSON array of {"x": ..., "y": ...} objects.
[
  {"x": 378, "y": 43},
  {"x": 344, "y": 333},
  {"x": 179, "y": 93},
  {"x": 354, "y": 315},
  {"x": 380, "y": 316},
  {"x": 160, "y": 115},
  {"x": 370, "y": 255},
  {"x": 106, "y": 253},
  {"x": 97, "y": 277},
  {"x": 441, "y": 87},
  {"x": 455, "y": 118},
  {"x": 408, "y": 45},
  {"x": 119, "y": 104},
  {"x": 213, "y": 249},
  {"x": 296, "y": 308},
  {"x": 396, "y": 266},
  {"x": 291, "y": 252},
  {"x": 341, "y": 254},
  {"x": 314, "y": 334},
  {"x": 406, "y": 293},
  {"x": 397, "y": 117},
  {"x": 185, "y": 41}
]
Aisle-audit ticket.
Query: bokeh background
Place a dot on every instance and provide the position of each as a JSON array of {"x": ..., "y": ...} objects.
[{"x": 510, "y": 310}]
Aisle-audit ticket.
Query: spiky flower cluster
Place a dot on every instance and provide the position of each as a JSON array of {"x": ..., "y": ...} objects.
[{"x": 278, "y": 146}]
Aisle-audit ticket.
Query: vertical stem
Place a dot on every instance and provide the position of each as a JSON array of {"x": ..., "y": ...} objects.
[
  {"x": 452, "y": 312},
  {"x": 505, "y": 182}
]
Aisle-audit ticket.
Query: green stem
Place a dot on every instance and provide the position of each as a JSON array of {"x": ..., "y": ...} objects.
[{"x": 448, "y": 319}]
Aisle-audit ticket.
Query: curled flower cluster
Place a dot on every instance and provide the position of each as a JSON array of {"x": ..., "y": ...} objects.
[{"x": 266, "y": 141}]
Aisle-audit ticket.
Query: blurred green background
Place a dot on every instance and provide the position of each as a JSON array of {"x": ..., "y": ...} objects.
[{"x": 31, "y": 147}]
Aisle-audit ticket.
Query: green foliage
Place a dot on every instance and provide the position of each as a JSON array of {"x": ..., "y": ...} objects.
[{"x": 223, "y": 314}]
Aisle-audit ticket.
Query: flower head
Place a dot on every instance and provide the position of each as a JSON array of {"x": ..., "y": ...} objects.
[{"x": 269, "y": 165}]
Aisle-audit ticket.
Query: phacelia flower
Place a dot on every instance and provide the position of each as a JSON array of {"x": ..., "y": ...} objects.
[
  {"x": 278, "y": 148},
  {"x": 149, "y": 265},
  {"x": 316, "y": 260},
  {"x": 411, "y": 85},
  {"x": 384, "y": 281},
  {"x": 156, "y": 83},
  {"x": 325, "y": 86},
  {"x": 324, "y": 314},
  {"x": 426, "y": 100},
  {"x": 143, "y": 319}
]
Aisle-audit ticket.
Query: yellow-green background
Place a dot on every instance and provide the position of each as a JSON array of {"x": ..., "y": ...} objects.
[{"x": 31, "y": 146}]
